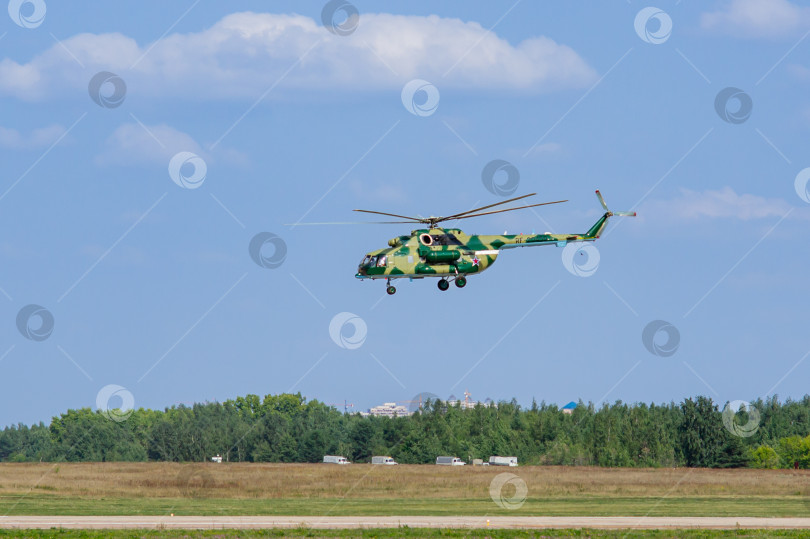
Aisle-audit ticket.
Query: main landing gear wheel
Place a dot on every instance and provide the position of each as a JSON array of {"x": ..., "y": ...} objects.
[
  {"x": 391, "y": 290},
  {"x": 443, "y": 284},
  {"x": 461, "y": 282}
]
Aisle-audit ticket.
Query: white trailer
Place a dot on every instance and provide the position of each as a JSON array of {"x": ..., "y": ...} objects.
[
  {"x": 503, "y": 461},
  {"x": 333, "y": 459},
  {"x": 388, "y": 461},
  {"x": 449, "y": 461}
]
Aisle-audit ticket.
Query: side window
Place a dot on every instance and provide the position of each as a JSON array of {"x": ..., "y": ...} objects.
[
  {"x": 446, "y": 239},
  {"x": 452, "y": 240},
  {"x": 372, "y": 260},
  {"x": 381, "y": 261}
]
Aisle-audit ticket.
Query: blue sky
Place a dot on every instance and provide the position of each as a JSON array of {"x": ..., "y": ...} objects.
[{"x": 150, "y": 283}]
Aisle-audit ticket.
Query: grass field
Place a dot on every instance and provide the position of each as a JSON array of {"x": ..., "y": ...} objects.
[{"x": 320, "y": 489}]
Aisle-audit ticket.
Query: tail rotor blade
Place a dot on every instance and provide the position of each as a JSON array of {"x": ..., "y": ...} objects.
[
  {"x": 625, "y": 213},
  {"x": 601, "y": 200}
]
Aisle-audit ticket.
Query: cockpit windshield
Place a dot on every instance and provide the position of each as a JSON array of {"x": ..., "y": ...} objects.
[{"x": 372, "y": 261}]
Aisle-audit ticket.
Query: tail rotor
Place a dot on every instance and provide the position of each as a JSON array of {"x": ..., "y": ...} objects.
[
  {"x": 612, "y": 213},
  {"x": 596, "y": 229}
]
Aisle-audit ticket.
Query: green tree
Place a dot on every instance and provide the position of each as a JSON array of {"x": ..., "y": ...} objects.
[
  {"x": 701, "y": 432},
  {"x": 764, "y": 456}
]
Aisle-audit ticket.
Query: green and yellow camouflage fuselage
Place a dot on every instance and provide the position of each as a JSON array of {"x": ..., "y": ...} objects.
[{"x": 447, "y": 252}]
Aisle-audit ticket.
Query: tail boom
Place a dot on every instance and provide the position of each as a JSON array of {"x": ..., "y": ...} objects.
[{"x": 520, "y": 240}]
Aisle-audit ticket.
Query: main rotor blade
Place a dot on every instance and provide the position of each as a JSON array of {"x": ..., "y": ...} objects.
[
  {"x": 511, "y": 209},
  {"x": 352, "y": 223},
  {"x": 393, "y": 215},
  {"x": 457, "y": 215}
]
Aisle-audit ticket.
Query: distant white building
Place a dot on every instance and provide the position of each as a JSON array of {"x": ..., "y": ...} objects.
[
  {"x": 467, "y": 403},
  {"x": 390, "y": 409}
]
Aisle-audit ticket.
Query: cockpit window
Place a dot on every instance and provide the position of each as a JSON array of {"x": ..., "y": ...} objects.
[
  {"x": 365, "y": 261},
  {"x": 381, "y": 261}
]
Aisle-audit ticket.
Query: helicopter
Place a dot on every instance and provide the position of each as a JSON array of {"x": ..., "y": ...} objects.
[{"x": 451, "y": 255}]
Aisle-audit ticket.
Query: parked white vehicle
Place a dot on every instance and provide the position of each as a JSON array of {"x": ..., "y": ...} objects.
[
  {"x": 333, "y": 459},
  {"x": 503, "y": 461},
  {"x": 383, "y": 460},
  {"x": 449, "y": 461}
]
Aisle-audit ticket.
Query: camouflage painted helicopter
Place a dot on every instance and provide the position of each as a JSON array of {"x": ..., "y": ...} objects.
[{"x": 450, "y": 254}]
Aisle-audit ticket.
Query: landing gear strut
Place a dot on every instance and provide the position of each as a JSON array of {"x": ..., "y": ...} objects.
[
  {"x": 390, "y": 288},
  {"x": 443, "y": 284}
]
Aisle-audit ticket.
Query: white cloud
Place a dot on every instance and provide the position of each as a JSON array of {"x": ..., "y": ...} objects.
[
  {"x": 244, "y": 54},
  {"x": 134, "y": 144},
  {"x": 377, "y": 192},
  {"x": 38, "y": 138},
  {"x": 724, "y": 203},
  {"x": 799, "y": 71},
  {"x": 543, "y": 151},
  {"x": 547, "y": 148},
  {"x": 758, "y": 18}
]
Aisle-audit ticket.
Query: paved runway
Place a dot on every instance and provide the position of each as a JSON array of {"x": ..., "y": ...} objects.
[{"x": 254, "y": 522}]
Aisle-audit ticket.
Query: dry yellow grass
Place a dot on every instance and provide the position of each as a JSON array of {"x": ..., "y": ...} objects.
[{"x": 244, "y": 480}]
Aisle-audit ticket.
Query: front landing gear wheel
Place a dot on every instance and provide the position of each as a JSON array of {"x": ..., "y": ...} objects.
[
  {"x": 461, "y": 282},
  {"x": 443, "y": 285},
  {"x": 391, "y": 290}
]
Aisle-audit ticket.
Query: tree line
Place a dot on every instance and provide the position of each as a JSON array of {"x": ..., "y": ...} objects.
[{"x": 288, "y": 428}]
